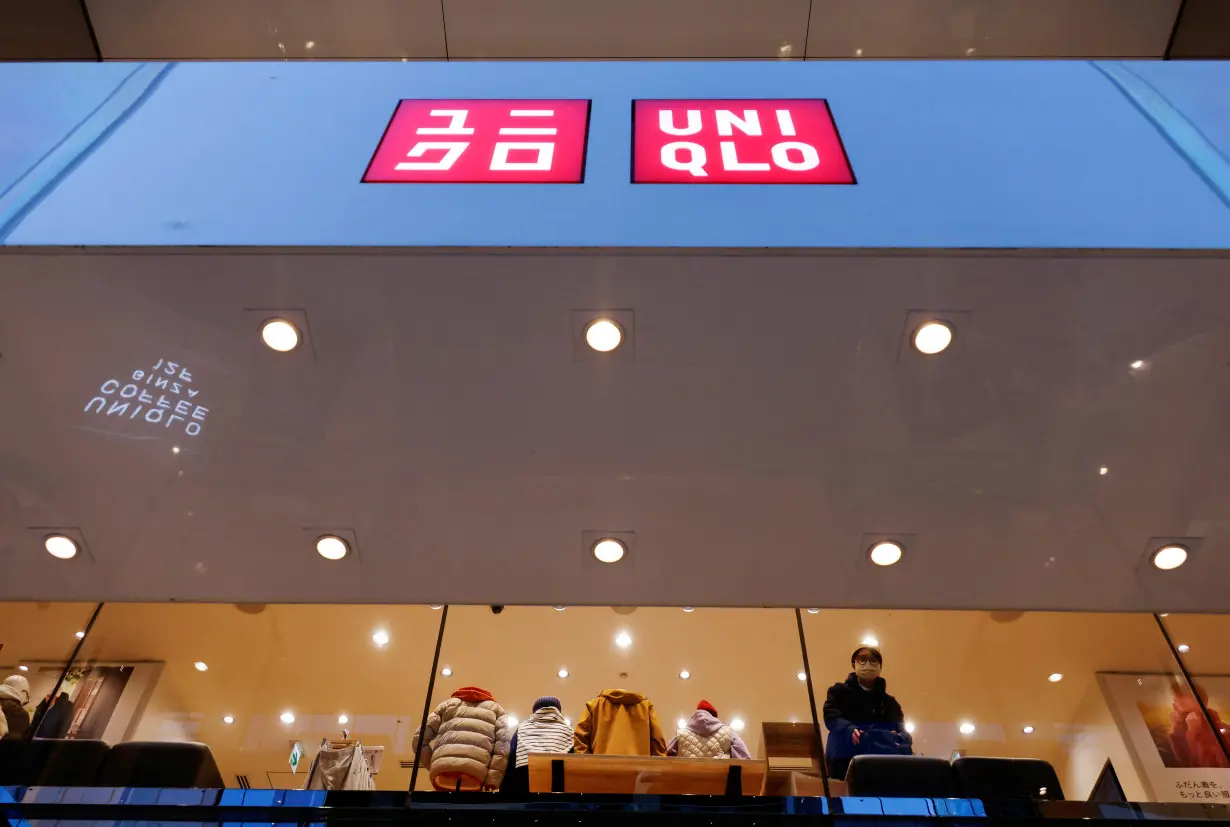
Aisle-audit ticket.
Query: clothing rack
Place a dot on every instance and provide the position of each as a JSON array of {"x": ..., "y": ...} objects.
[{"x": 340, "y": 764}]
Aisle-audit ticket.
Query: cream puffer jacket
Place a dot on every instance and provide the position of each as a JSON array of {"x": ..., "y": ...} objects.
[{"x": 467, "y": 741}]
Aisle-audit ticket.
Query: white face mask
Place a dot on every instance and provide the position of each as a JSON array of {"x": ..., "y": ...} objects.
[{"x": 867, "y": 671}]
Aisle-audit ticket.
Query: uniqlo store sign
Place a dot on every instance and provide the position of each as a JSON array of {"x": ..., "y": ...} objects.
[{"x": 673, "y": 142}]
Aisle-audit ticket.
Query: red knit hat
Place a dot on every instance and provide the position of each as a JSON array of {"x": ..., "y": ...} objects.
[{"x": 705, "y": 706}]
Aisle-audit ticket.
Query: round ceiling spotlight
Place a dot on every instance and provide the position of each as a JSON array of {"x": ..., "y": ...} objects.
[
  {"x": 1170, "y": 557},
  {"x": 885, "y": 554},
  {"x": 872, "y": 641},
  {"x": 201, "y": 666},
  {"x": 288, "y": 717},
  {"x": 380, "y": 637},
  {"x": 623, "y": 640},
  {"x": 802, "y": 676},
  {"x": 447, "y": 672},
  {"x": 737, "y": 724},
  {"x": 280, "y": 335},
  {"x": 603, "y": 335},
  {"x": 24, "y": 668},
  {"x": 689, "y": 609},
  {"x": 682, "y": 723},
  {"x": 560, "y": 608},
  {"x": 79, "y": 635},
  {"x": 1055, "y": 677},
  {"x": 685, "y": 675},
  {"x": 909, "y": 727},
  {"x": 332, "y": 547},
  {"x": 813, "y": 611},
  {"x": 343, "y": 719},
  {"x": 1183, "y": 648},
  {"x": 60, "y": 547},
  {"x": 563, "y": 673},
  {"x": 967, "y": 728},
  {"x": 932, "y": 337},
  {"x": 228, "y": 719},
  {"x": 1028, "y": 730},
  {"x": 609, "y": 551}
]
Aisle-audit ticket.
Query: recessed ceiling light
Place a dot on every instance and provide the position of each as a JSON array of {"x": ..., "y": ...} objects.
[
  {"x": 79, "y": 635},
  {"x": 681, "y": 724},
  {"x": 567, "y": 722},
  {"x": 932, "y": 338},
  {"x": 280, "y": 335},
  {"x": 380, "y": 637},
  {"x": 1055, "y": 677},
  {"x": 689, "y": 609},
  {"x": 1168, "y": 558},
  {"x": 24, "y": 668},
  {"x": 909, "y": 727},
  {"x": 623, "y": 640},
  {"x": 560, "y": 608},
  {"x": 685, "y": 674},
  {"x": 813, "y": 611},
  {"x": 447, "y": 672},
  {"x": 563, "y": 673},
  {"x": 967, "y": 728},
  {"x": 609, "y": 551},
  {"x": 885, "y": 554},
  {"x": 343, "y": 719},
  {"x": 603, "y": 335},
  {"x": 332, "y": 547},
  {"x": 201, "y": 666},
  {"x": 737, "y": 724},
  {"x": 174, "y": 449},
  {"x": 871, "y": 640},
  {"x": 288, "y": 717},
  {"x": 1103, "y": 471},
  {"x": 1183, "y": 648},
  {"x": 512, "y": 721},
  {"x": 802, "y": 676},
  {"x": 1138, "y": 364},
  {"x": 1028, "y": 730},
  {"x": 1164, "y": 614},
  {"x": 60, "y": 547},
  {"x": 228, "y": 719},
  {"x": 435, "y": 607}
]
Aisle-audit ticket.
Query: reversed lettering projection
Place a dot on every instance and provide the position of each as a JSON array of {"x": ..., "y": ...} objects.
[
  {"x": 483, "y": 142},
  {"x": 737, "y": 142},
  {"x": 162, "y": 397}
]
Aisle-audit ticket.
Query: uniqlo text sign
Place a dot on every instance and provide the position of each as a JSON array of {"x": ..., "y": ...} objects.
[
  {"x": 483, "y": 142},
  {"x": 737, "y": 142}
]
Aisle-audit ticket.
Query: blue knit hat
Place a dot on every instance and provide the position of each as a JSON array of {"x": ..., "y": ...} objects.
[{"x": 547, "y": 700}]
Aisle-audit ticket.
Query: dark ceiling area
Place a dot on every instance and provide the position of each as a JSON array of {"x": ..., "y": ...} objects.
[{"x": 601, "y": 29}]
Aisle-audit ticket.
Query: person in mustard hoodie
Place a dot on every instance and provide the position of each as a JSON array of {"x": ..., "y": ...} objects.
[{"x": 619, "y": 722}]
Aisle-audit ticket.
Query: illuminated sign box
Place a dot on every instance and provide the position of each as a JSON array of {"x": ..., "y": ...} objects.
[
  {"x": 737, "y": 142},
  {"x": 483, "y": 142}
]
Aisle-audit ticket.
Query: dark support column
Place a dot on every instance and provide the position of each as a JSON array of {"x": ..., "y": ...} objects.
[
  {"x": 46, "y": 30},
  {"x": 1201, "y": 30},
  {"x": 734, "y": 781},
  {"x": 557, "y": 775},
  {"x": 431, "y": 688}
]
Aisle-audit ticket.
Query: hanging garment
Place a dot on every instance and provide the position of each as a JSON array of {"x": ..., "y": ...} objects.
[{"x": 340, "y": 769}]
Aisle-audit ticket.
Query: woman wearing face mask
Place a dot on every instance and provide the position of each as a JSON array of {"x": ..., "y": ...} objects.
[{"x": 861, "y": 717}]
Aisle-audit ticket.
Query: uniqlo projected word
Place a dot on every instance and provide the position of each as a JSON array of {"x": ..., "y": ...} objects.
[
  {"x": 163, "y": 396},
  {"x": 483, "y": 142},
  {"x": 737, "y": 142}
]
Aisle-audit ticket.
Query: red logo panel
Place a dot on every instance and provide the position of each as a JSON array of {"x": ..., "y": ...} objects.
[
  {"x": 483, "y": 142},
  {"x": 737, "y": 142}
]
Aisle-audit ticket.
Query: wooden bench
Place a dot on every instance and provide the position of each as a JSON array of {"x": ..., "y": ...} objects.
[{"x": 653, "y": 776}]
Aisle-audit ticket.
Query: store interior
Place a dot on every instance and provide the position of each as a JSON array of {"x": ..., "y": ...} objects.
[{"x": 250, "y": 680}]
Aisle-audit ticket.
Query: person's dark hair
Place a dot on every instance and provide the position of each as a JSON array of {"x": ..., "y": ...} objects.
[
  {"x": 64, "y": 696},
  {"x": 871, "y": 650}
]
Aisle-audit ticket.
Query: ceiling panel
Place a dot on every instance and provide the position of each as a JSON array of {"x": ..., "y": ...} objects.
[
  {"x": 267, "y": 29},
  {"x": 990, "y": 28},
  {"x": 44, "y": 30},
  {"x": 627, "y": 29},
  {"x": 765, "y": 421}
]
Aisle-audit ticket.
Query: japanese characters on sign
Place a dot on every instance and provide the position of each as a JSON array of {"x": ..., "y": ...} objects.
[
  {"x": 737, "y": 142},
  {"x": 483, "y": 142},
  {"x": 1203, "y": 790}
]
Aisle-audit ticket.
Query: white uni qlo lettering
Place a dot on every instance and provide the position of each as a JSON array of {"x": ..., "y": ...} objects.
[
  {"x": 690, "y": 157},
  {"x": 530, "y": 130},
  {"x": 452, "y": 151},
  {"x": 456, "y": 123},
  {"x": 501, "y": 163}
]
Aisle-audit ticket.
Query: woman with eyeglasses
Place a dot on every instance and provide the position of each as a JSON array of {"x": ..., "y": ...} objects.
[{"x": 861, "y": 717}]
